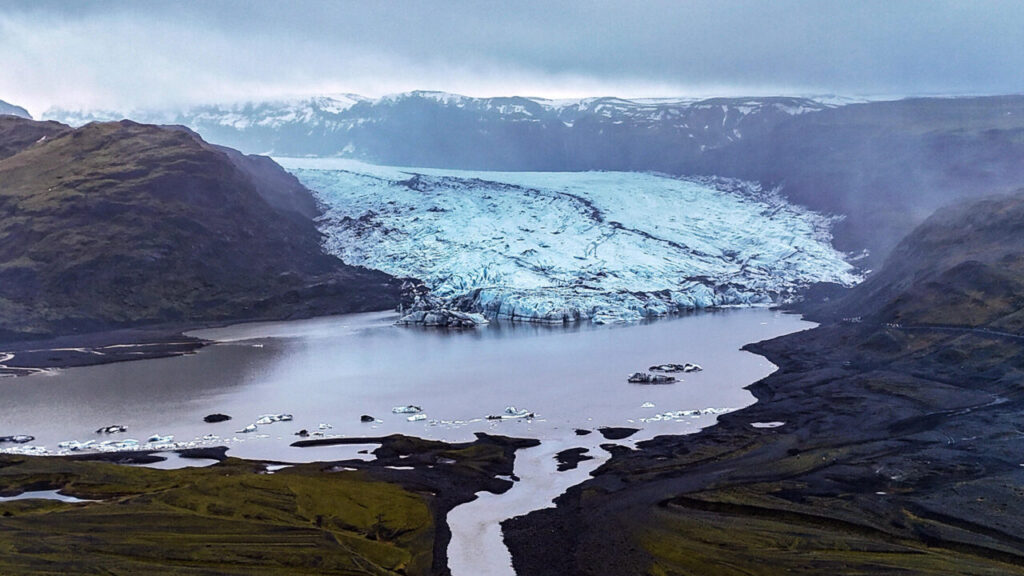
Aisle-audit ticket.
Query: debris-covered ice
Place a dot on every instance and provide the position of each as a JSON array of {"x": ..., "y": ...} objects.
[
  {"x": 645, "y": 378},
  {"x": 410, "y": 409},
  {"x": 271, "y": 418},
  {"x": 511, "y": 413},
  {"x": 687, "y": 367},
  {"x": 687, "y": 414}
]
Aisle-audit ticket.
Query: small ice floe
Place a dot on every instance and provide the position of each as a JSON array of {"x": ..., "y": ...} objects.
[
  {"x": 417, "y": 417},
  {"x": 112, "y": 429},
  {"x": 75, "y": 445},
  {"x": 687, "y": 367},
  {"x": 28, "y": 450},
  {"x": 687, "y": 413},
  {"x": 647, "y": 405},
  {"x": 767, "y": 424},
  {"x": 511, "y": 413},
  {"x": 271, "y": 418},
  {"x": 247, "y": 429},
  {"x": 645, "y": 378},
  {"x": 158, "y": 439},
  {"x": 410, "y": 409},
  {"x": 210, "y": 437},
  {"x": 341, "y": 469},
  {"x": 323, "y": 426},
  {"x": 271, "y": 468},
  {"x": 118, "y": 445},
  {"x": 17, "y": 439}
]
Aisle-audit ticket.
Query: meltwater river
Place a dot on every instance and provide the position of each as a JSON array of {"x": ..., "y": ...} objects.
[{"x": 331, "y": 371}]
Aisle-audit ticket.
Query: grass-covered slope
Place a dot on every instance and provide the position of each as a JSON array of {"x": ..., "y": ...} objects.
[
  {"x": 963, "y": 267},
  {"x": 122, "y": 224},
  {"x": 899, "y": 450},
  {"x": 230, "y": 518},
  {"x": 373, "y": 518}
]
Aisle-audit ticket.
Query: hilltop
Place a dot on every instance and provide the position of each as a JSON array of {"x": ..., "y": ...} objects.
[{"x": 120, "y": 224}]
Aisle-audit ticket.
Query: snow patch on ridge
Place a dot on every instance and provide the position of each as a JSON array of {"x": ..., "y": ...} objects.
[{"x": 554, "y": 247}]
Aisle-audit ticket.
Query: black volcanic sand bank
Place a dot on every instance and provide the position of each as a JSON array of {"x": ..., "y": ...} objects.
[
  {"x": 901, "y": 448},
  {"x": 236, "y": 517},
  {"x": 98, "y": 348}
]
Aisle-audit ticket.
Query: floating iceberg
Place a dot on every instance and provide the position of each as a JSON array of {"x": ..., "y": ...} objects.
[{"x": 511, "y": 413}]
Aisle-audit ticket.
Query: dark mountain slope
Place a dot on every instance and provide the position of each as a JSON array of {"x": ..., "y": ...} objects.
[
  {"x": 16, "y": 134},
  {"x": 122, "y": 224},
  {"x": 884, "y": 165},
  {"x": 964, "y": 266},
  {"x": 900, "y": 451}
]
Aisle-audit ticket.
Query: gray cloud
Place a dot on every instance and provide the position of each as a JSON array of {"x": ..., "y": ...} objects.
[{"x": 125, "y": 54}]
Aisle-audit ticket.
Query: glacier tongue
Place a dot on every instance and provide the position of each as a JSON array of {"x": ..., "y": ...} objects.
[{"x": 554, "y": 247}]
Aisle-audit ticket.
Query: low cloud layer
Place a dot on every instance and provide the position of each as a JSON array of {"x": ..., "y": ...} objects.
[{"x": 141, "y": 54}]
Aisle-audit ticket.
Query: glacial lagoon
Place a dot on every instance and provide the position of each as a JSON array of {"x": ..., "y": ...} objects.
[{"x": 329, "y": 372}]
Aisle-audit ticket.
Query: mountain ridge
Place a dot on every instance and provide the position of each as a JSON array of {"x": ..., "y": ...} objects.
[{"x": 117, "y": 225}]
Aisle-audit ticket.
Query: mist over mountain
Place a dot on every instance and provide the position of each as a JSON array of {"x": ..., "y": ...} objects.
[
  {"x": 12, "y": 110},
  {"x": 437, "y": 129}
]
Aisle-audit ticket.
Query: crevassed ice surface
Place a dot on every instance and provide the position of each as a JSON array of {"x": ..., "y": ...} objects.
[{"x": 553, "y": 246}]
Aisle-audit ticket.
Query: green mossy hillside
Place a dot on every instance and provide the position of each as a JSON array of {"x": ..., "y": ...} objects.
[{"x": 229, "y": 518}]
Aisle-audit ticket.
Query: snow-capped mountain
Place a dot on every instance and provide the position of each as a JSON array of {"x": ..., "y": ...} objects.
[
  {"x": 552, "y": 247},
  {"x": 12, "y": 110},
  {"x": 448, "y": 130}
]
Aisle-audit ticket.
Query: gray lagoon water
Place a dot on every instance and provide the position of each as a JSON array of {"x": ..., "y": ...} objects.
[
  {"x": 333, "y": 370},
  {"x": 328, "y": 372}
]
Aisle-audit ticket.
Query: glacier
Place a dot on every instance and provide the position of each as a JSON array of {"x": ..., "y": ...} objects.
[{"x": 573, "y": 246}]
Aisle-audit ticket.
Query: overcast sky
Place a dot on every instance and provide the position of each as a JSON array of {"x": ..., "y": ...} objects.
[{"x": 122, "y": 55}]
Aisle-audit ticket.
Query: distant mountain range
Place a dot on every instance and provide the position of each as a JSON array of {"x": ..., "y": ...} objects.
[
  {"x": 452, "y": 131},
  {"x": 883, "y": 165}
]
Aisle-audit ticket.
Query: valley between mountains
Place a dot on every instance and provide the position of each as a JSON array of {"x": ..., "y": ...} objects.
[{"x": 889, "y": 440}]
